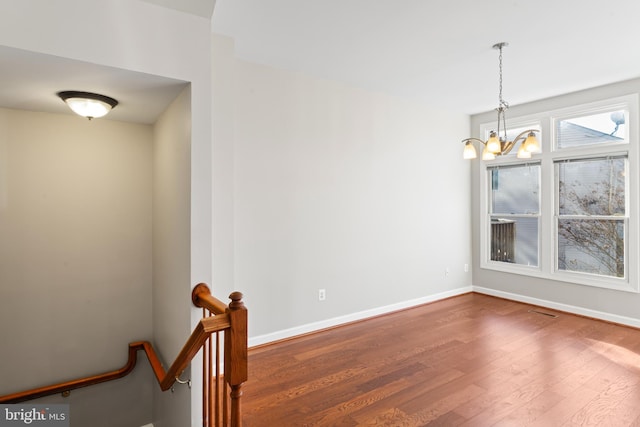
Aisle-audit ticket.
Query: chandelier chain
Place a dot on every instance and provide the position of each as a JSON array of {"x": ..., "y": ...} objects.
[{"x": 501, "y": 100}]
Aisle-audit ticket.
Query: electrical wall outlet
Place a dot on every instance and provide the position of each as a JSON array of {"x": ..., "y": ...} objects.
[{"x": 322, "y": 294}]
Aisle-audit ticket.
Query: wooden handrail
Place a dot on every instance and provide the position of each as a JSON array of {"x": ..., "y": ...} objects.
[
  {"x": 201, "y": 297},
  {"x": 232, "y": 319},
  {"x": 165, "y": 379},
  {"x": 200, "y": 334},
  {"x": 83, "y": 382}
]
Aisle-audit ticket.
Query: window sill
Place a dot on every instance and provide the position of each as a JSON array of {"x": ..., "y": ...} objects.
[{"x": 583, "y": 279}]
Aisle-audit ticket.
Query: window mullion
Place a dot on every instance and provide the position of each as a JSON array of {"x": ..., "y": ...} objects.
[{"x": 593, "y": 148}]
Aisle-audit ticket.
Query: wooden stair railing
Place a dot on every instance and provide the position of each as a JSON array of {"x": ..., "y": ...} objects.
[{"x": 218, "y": 393}]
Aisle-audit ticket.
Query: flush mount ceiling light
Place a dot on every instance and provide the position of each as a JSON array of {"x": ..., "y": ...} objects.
[
  {"x": 87, "y": 104},
  {"x": 498, "y": 144}
]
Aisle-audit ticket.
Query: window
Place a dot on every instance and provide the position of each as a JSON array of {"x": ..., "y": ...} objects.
[
  {"x": 514, "y": 213},
  {"x": 571, "y": 212},
  {"x": 593, "y": 129},
  {"x": 591, "y": 215}
]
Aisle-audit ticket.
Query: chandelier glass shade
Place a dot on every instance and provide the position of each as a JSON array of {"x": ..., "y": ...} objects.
[{"x": 498, "y": 143}]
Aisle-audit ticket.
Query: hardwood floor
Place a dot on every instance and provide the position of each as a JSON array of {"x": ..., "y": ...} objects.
[{"x": 471, "y": 360}]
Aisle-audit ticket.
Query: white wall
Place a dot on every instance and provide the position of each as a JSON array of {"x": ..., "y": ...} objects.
[
  {"x": 171, "y": 248},
  {"x": 75, "y": 258},
  {"x": 138, "y": 36},
  {"x": 608, "y": 304},
  {"x": 223, "y": 166},
  {"x": 356, "y": 192}
]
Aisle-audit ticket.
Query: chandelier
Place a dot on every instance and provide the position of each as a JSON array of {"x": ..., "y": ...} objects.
[{"x": 498, "y": 144}]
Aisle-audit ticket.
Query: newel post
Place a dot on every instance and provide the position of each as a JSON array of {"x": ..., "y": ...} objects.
[{"x": 235, "y": 354}]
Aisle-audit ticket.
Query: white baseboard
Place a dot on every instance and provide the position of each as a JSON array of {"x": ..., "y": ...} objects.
[
  {"x": 148, "y": 425},
  {"x": 609, "y": 317},
  {"x": 340, "y": 320}
]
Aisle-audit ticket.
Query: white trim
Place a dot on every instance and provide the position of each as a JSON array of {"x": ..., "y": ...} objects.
[
  {"x": 547, "y": 226},
  {"x": 341, "y": 320},
  {"x": 609, "y": 317}
]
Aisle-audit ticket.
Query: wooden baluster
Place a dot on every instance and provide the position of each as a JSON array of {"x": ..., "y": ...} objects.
[
  {"x": 225, "y": 402},
  {"x": 218, "y": 414},
  {"x": 205, "y": 388},
  {"x": 235, "y": 349},
  {"x": 210, "y": 385}
]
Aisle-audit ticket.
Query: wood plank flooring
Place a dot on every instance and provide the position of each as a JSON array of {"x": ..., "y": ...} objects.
[{"x": 471, "y": 360}]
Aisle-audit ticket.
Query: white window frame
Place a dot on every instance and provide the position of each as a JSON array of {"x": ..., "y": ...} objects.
[
  {"x": 532, "y": 122},
  {"x": 489, "y": 212},
  {"x": 547, "y": 226}
]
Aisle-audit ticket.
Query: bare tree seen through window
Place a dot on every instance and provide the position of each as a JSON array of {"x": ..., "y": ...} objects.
[{"x": 591, "y": 223}]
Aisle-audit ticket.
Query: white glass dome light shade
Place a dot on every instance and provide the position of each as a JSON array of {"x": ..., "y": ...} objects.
[
  {"x": 487, "y": 155},
  {"x": 88, "y": 107},
  {"x": 87, "y": 104},
  {"x": 493, "y": 143},
  {"x": 469, "y": 151},
  {"x": 531, "y": 144},
  {"x": 523, "y": 153}
]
